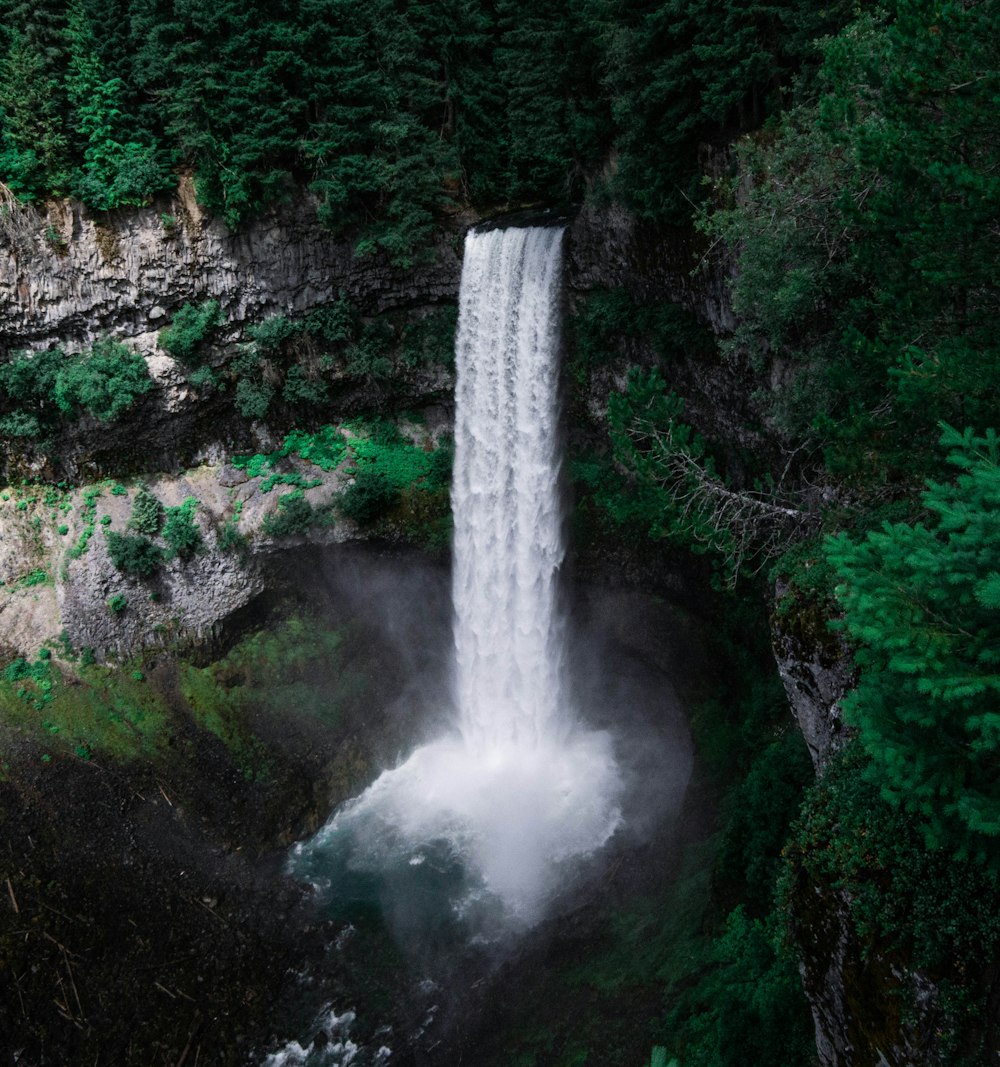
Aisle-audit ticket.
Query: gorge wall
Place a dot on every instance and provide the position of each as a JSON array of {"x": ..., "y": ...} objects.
[{"x": 125, "y": 274}]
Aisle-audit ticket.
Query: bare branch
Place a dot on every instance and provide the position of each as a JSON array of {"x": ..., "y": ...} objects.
[{"x": 19, "y": 223}]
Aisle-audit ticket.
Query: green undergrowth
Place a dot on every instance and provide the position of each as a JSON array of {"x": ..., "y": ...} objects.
[
  {"x": 606, "y": 324},
  {"x": 911, "y": 905},
  {"x": 70, "y": 704},
  {"x": 399, "y": 487},
  {"x": 326, "y": 449},
  {"x": 298, "y": 364},
  {"x": 43, "y": 392},
  {"x": 84, "y": 709}
]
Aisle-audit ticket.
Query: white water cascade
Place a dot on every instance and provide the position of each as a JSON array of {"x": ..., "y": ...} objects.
[{"x": 518, "y": 789}]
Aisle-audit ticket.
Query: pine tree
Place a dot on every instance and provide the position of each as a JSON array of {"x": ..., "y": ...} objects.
[
  {"x": 34, "y": 147},
  {"x": 922, "y": 604},
  {"x": 117, "y": 169}
]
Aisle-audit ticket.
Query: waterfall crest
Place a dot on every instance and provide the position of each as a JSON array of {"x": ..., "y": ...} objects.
[{"x": 518, "y": 789}]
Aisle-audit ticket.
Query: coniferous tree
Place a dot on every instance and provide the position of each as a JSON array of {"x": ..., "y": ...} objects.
[
  {"x": 34, "y": 152},
  {"x": 923, "y": 605},
  {"x": 117, "y": 169},
  {"x": 866, "y": 246}
]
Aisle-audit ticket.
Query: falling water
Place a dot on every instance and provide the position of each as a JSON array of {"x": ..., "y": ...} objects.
[
  {"x": 518, "y": 789},
  {"x": 505, "y": 498}
]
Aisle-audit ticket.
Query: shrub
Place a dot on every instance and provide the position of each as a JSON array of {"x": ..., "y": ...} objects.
[
  {"x": 431, "y": 339},
  {"x": 190, "y": 326},
  {"x": 180, "y": 530},
  {"x": 204, "y": 378},
  {"x": 295, "y": 515},
  {"x": 134, "y": 555},
  {"x": 147, "y": 514},
  {"x": 369, "y": 498},
  {"x": 272, "y": 333},
  {"x": 230, "y": 539},
  {"x": 20, "y": 424},
  {"x": 117, "y": 604},
  {"x": 300, "y": 388},
  {"x": 105, "y": 383},
  {"x": 253, "y": 398}
]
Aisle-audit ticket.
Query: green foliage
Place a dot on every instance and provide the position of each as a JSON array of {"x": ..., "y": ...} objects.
[
  {"x": 253, "y": 398},
  {"x": 117, "y": 604},
  {"x": 33, "y": 144},
  {"x": 866, "y": 251},
  {"x": 294, "y": 515},
  {"x": 39, "y": 576},
  {"x": 291, "y": 358},
  {"x": 681, "y": 71},
  {"x": 137, "y": 556},
  {"x": 147, "y": 513},
  {"x": 88, "y": 512},
  {"x": 430, "y": 339},
  {"x": 749, "y": 1008},
  {"x": 606, "y": 325},
  {"x": 102, "y": 711},
  {"x": 116, "y": 170},
  {"x": 180, "y": 530},
  {"x": 758, "y": 814},
  {"x": 300, "y": 389},
  {"x": 669, "y": 462},
  {"x": 390, "y": 473},
  {"x": 938, "y": 909},
  {"x": 293, "y": 668},
  {"x": 188, "y": 331},
  {"x": 37, "y": 390},
  {"x": 921, "y": 604},
  {"x": 230, "y": 539},
  {"x": 370, "y": 496},
  {"x": 326, "y": 449},
  {"x": 105, "y": 383}
]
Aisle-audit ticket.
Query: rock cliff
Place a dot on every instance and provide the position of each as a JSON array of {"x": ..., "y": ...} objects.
[{"x": 123, "y": 273}]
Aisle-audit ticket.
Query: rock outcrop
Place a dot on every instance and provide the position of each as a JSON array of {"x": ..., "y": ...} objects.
[
  {"x": 124, "y": 273},
  {"x": 816, "y": 670}
]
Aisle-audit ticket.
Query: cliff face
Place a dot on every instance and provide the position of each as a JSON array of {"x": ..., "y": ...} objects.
[
  {"x": 124, "y": 273},
  {"x": 816, "y": 670}
]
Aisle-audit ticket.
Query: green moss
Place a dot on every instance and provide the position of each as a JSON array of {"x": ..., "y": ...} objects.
[
  {"x": 109, "y": 713},
  {"x": 275, "y": 673}
]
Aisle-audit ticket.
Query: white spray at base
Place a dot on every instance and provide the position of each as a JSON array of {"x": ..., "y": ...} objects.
[{"x": 519, "y": 788}]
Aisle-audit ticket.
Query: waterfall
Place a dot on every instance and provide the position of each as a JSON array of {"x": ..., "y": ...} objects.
[
  {"x": 505, "y": 499},
  {"x": 518, "y": 790}
]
